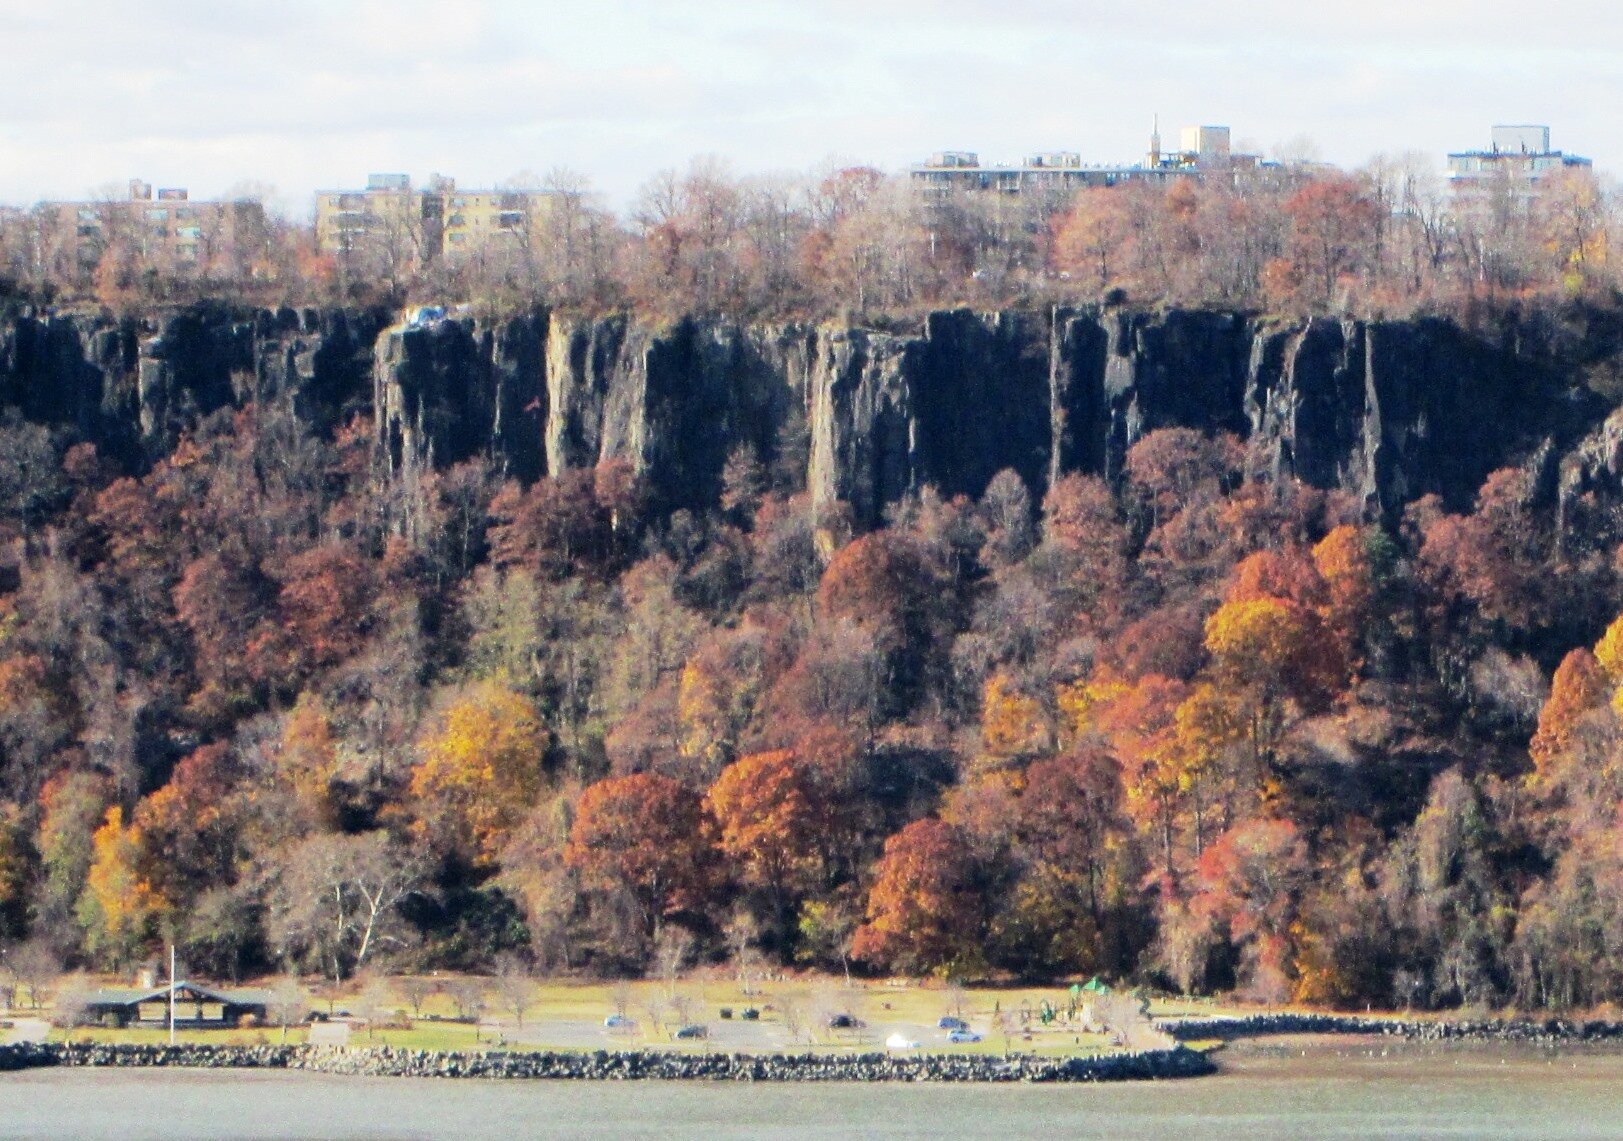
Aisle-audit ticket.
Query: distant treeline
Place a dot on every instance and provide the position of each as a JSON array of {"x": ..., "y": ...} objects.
[{"x": 1388, "y": 239}]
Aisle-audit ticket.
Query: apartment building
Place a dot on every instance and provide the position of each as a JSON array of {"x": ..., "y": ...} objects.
[
  {"x": 1202, "y": 151},
  {"x": 167, "y": 229},
  {"x": 1518, "y": 157},
  {"x": 391, "y": 217},
  {"x": 481, "y": 219},
  {"x": 388, "y": 217}
]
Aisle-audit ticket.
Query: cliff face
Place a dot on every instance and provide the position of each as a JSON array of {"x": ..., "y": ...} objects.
[
  {"x": 132, "y": 386},
  {"x": 1386, "y": 411}
]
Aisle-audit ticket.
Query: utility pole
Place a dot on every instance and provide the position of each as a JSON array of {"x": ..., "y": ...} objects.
[{"x": 171, "y": 994}]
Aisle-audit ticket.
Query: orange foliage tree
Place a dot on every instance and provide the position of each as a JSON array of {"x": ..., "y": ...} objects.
[
  {"x": 772, "y": 814},
  {"x": 924, "y": 909},
  {"x": 1252, "y": 879},
  {"x": 647, "y": 835}
]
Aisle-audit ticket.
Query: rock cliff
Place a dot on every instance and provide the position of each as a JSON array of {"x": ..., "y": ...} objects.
[{"x": 1387, "y": 411}]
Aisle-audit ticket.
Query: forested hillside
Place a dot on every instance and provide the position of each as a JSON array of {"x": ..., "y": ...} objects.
[{"x": 1230, "y": 600}]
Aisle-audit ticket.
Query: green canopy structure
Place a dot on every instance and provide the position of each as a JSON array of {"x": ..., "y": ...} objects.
[{"x": 1094, "y": 986}]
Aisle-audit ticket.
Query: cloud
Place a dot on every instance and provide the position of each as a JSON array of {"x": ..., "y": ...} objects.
[{"x": 208, "y": 92}]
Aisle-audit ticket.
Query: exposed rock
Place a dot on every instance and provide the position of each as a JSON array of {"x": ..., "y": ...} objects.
[
  {"x": 630, "y": 1065},
  {"x": 1385, "y": 411},
  {"x": 1547, "y": 1032}
]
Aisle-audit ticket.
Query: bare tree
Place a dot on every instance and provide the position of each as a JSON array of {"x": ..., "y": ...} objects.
[
  {"x": 289, "y": 1003},
  {"x": 741, "y": 932},
  {"x": 374, "y": 1002},
  {"x": 515, "y": 986},
  {"x": 468, "y": 996},
  {"x": 72, "y": 1001},
  {"x": 333, "y": 898},
  {"x": 683, "y": 1006},
  {"x": 670, "y": 954},
  {"x": 33, "y": 964},
  {"x": 417, "y": 989}
]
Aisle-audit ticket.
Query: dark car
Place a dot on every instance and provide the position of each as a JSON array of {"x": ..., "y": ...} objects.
[
  {"x": 749, "y": 1014},
  {"x": 694, "y": 1031},
  {"x": 842, "y": 1022},
  {"x": 951, "y": 1023}
]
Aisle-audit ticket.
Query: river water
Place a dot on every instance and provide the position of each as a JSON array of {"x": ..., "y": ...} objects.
[{"x": 1305, "y": 1089}]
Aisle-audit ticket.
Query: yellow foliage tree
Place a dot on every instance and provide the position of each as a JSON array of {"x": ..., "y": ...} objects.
[
  {"x": 1013, "y": 724},
  {"x": 119, "y": 905},
  {"x": 1609, "y": 652},
  {"x": 1343, "y": 562},
  {"x": 1268, "y": 657},
  {"x": 1079, "y": 703},
  {"x": 480, "y": 770}
]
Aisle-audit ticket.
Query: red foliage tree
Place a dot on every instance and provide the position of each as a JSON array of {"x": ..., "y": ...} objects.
[
  {"x": 924, "y": 908},
  {"x": 645, "y": 834}
]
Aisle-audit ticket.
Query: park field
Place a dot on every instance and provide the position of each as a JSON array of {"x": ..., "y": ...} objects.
[{"x": 456, "y": 1012}]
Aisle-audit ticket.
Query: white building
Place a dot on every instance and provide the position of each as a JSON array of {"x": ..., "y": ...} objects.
[{"x": 1517, "y": 159}]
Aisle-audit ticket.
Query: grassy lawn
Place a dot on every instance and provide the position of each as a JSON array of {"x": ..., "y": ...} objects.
[{"x": 568, "y": 1014}]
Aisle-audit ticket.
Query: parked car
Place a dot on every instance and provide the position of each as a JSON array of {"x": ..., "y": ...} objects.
[
  {"x": 951, "y": 1023},
  {"x": 749, "y": 1014},
  {"x": 694, "y": 1031},
  {"x": 842, "y": 1022},
  {"x": 900, "y": 1041},
  {"x": 618, "y": 1022},
  {"x": 959, "y": 1037}
]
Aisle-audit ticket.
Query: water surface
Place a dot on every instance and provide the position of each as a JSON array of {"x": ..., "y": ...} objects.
[{"x": 1308, "y": 1089}]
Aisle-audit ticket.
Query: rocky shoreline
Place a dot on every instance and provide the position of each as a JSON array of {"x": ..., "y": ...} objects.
[
  {"x": 604, "y": 1065},
  {"x": 1533, "y": 1032}
]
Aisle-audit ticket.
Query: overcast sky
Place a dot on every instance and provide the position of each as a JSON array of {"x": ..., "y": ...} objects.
[{"x": 306, "y": 93}]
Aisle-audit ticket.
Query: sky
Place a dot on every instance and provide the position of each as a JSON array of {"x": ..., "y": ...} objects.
[{"x": 307, "y": 94}]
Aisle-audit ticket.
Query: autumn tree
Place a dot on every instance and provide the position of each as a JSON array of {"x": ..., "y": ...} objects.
[
  {"x": 1070, "y": 902},
  {"x": 883, "y": 584},
  {"x": 307, "y": 759},
  {"x": 480, "y": 770},
  {"x": 189, "y": 831},
  {"x": 1089, "y": 240},
  {"x": 1332, "y": 225},
  {"x": 1580, "y": 687},
  {"x": 772, "y": 813},
  {"x": 648, "y": 836},
  {"x": 71, "y": 806},
  {"x": 1269, "y": 662},
  {"x": 924, "y": 911},
  {"x": 1252, "y": 879},
  {"x": 1140, "y": 723},
  {"x": 119, "y": 906}
]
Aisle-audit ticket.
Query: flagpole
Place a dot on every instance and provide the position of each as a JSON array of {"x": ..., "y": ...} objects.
[{"x": 171, "y": 994}]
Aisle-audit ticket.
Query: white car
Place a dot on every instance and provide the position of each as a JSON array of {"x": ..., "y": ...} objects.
[
  {"x": 900, "y": 1042},
  {"x": 618, "y": 1022}
]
